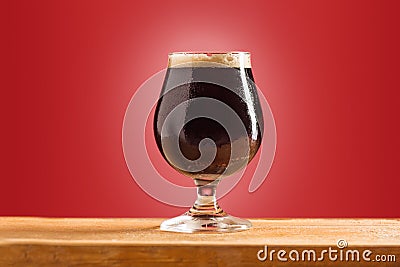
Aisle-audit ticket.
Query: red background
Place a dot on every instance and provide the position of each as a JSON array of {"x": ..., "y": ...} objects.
[{"x": 329, "y": 69}]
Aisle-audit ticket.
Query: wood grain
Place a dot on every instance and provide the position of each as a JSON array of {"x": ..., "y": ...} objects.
[{"x": 28, "y": 241}]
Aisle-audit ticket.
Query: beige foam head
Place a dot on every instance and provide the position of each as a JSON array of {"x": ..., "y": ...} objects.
[{"x": 204, "y": 59}]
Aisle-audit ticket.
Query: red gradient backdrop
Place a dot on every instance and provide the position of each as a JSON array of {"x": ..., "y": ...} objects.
[{"x": 330, "y": 71}]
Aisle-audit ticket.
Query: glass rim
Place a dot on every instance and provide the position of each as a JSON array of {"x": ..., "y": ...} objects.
[
  {"x": 208, "y": 53},
  {"x": 234, "y": 59}
]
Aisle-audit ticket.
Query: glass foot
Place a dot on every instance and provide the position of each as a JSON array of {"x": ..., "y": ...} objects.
[{"x": 190, "y": 224}]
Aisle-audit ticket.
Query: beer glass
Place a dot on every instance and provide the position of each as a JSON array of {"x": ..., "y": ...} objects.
[{"x": 208, "y": 125}]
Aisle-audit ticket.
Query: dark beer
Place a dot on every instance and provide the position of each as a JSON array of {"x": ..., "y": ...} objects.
[{"x": 232, "y": 86}]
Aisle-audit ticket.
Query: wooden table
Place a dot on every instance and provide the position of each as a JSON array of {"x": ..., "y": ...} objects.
[{"x": 27, "y": 241}]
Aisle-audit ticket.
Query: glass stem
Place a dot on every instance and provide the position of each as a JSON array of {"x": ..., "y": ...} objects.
[{"x": 206, "y": 203}]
